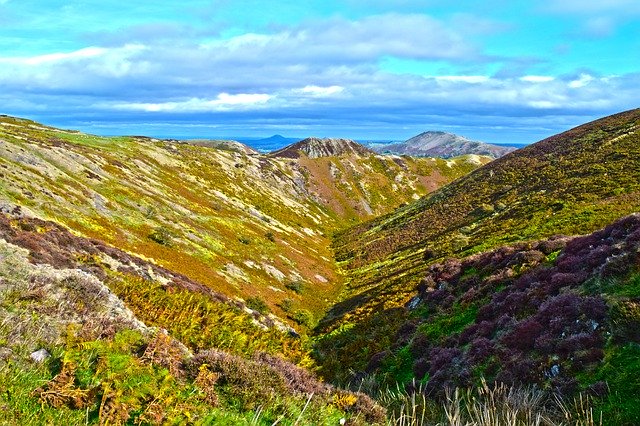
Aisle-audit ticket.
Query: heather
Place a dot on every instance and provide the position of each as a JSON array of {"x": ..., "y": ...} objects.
[{"x": 558, "y": 314}]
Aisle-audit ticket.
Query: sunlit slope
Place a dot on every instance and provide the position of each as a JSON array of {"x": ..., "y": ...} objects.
[
  {"x": 572, "y": 183},
  {"x": 244, "y": 224}
]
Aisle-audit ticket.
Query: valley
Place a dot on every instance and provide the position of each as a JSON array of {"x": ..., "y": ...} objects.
[{"x": 199, "y": 262}]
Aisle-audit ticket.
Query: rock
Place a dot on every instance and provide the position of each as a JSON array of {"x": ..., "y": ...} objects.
[{"x": 40, "y": 356}]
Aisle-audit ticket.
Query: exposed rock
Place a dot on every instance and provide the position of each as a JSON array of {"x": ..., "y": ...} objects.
[{"x": 40, "y": 355}]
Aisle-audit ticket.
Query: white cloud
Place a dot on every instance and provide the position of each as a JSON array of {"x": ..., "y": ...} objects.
[
  {"x": 51, "y": 58},
  {"x": 321, "y": 92},
  {"x": 300, "y": 76},
  {"x": 537, "y": 78},
  {"x": 580, "y": 82},
  {"x": 367, "y": 39},
  {"x": 470, "y": 79},
  {"x": 224, "y": 102}
]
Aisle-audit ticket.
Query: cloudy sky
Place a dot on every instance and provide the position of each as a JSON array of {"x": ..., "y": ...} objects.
[{"x": 498, "y": 70}]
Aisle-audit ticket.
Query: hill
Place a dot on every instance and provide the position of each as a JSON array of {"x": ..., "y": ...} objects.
[
  {"x": 316, "y": 148},
  {"x": 571, "y": 184},
  {"x": 561, "y": 314},
  {"x": 247, "y": 226},
  {"x": 442, "y": 144}
]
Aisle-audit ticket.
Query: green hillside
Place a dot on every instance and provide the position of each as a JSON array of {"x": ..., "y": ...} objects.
[
  {"x": 248, "y": 226},
  {"x": 572, "y": 184}
]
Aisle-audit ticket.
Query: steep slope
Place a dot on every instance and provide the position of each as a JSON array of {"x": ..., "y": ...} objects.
[
  {"x": 355, "y": 186},
  {"x": 442, "y": 144},
  {"x": 245, "y": 225},
  {"x": 572, "y": 183}
]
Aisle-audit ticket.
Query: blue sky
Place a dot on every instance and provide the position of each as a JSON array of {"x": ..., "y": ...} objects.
[{"x": 501, "y": 71}]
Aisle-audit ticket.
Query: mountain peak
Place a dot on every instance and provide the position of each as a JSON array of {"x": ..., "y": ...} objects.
[
  {"x": 314, "y": 147},
  {"x": 443, "y": 144}
]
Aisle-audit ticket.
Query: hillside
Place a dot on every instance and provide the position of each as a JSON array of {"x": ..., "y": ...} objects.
[
  {"x": 243, "y": 224},
  {"x": 571, "y": 184},
  {"x": 443, "y": 145},
  {"x": 561, "y": 314},
  {"x": 195, "y": 267},
  {"x": 91, "y": 334}
]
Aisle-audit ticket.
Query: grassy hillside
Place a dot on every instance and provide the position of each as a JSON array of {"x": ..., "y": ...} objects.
[
  {"x": 412, "y": 310},
  {"x": 572, "y": 183},
  {"x": 561, "y": 314},
  {"x": 159, "y": 281},
  {"x": 75, "y": 351},
  {"x": 242, "y": 224}
]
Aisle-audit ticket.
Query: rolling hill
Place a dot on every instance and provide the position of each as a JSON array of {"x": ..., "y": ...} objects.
[
  {"x": 241, "y": 223},
  {"x": 200, "y": 268}
]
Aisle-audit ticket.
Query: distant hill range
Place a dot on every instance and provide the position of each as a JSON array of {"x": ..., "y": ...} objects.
[
  {"x": 441, "y": 144},
  {"x": 317, "y": 148},
  {"x": 268, "y": 144}
]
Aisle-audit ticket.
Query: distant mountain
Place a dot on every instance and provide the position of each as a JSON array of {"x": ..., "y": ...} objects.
[
  {"x": 441, "y": 144},
  {"x": 269, "y": 144},
  {"x": 317, "y": 148}
]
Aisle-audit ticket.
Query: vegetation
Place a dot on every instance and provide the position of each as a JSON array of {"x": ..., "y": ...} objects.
[
  {"x": 169, "y": 283},
  {"x": 236, "y": 222}
]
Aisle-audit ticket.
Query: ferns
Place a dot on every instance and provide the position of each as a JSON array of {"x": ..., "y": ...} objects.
[{"x": 201, "y": 323}]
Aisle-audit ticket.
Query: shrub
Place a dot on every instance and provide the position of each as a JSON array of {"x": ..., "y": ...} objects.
[
  {"x": 257, "y": 304},
  {"x": 303, "y": 317},
  {"x": 286, "y": 305},
  {"x": 162, "y": 236},
  {"x": 295, "y": 286}
]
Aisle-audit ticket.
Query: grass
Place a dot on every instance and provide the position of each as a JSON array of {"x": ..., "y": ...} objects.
[
  {"x": 485, "y": 405},
  {"x": 449, "y": 323},
  {"x": 521, "y": 197}
]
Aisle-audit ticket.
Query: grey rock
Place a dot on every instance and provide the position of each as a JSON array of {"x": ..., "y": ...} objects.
[{"x": 40, "y": 355}]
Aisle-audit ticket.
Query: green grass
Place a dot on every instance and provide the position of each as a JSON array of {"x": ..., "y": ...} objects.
[
  {"x": 450, "y": 322},
  {"x": 621, "y": 371}
]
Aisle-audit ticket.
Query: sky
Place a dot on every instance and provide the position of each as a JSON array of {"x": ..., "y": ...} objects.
[{"x": 502, "y": 71}]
